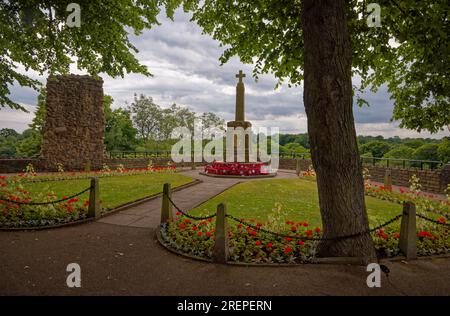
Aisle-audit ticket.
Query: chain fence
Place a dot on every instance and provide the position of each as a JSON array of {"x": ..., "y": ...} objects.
[
  {"x": 305, "y": 238},
  {"x": 198, "y": 218},
  {"x": 432, "y": 220},
  {"x": 46, "y": 203},
  {"x": 281, "y": 235}
]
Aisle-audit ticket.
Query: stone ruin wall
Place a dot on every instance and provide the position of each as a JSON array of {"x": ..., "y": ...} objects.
[{"x": 73, "y": 134}]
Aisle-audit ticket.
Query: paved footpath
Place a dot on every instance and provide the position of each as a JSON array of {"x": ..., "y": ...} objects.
[
  {"x": 127, "y": 260},
  {"x": 148, "y": 214}
]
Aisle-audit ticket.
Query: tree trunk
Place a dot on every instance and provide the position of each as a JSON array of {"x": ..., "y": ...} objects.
[{"x": 328, "y": 103}]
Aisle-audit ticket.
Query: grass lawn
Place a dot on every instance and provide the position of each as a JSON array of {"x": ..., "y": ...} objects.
[
  {"x": 299, "y": 198},
  {"x": 114, "y": 191}
]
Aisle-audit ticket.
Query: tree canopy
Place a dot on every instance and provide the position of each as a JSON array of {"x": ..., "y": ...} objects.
[
  {"x": 34, "y": 34},
  {"x": 409, "y": 52}
]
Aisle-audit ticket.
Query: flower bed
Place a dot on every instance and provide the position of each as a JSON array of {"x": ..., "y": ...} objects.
[
  {"x": 60, "y": 176},
  {"x": 249, "y": 245},
  {"x": 245, "y": 244},
  {"x": 23, "y": 215},
  {"x": 423, "y": 201},
  {"x": 13, "y": 215}
]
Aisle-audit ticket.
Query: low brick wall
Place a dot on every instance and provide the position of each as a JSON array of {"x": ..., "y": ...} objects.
[
  {"x": 429, "y": 179},
  {"x": 18, "y": 165},
  {"x": 291, "y": 164},
  {"x": 434, "y": 181}
]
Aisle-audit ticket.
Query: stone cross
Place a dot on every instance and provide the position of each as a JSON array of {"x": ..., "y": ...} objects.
[
  {"x": 240, "y": 90},
  {"x": 240, "y": 75}
]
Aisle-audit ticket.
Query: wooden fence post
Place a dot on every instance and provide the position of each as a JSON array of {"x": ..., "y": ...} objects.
[
  {"x": 408, "y": 234},
  {"x": 220, "y": 251},
  {"x": 298, "y": 169},
  {"x": 388, "y": 179},
  {"x": 166, "y": 208},
  {"x": 94, "y": 199}
]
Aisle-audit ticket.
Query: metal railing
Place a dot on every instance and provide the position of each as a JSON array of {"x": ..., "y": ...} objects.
[
  {"x": 402, "y": 163},
  {"x": 374, "y": 161}
]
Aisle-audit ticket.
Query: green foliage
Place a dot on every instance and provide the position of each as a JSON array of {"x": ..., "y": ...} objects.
[
  {"x": 375, "y": 148},
  {"x": 38, "y": 38},
  {"x": 426, "y": 152},
  {"x": 30, "y": 145},
  {"x": 37, "y": 124},
  {"x": 301, "y": 139},
  {"x": 119, "y": 131},
  {"x": 155, "y": 123},
  {"x": 444, "y": 150},
  {"x": 414, "y": 143},
  {"x": 269, "y": 34},
  {"x": 401, "y": 152}
]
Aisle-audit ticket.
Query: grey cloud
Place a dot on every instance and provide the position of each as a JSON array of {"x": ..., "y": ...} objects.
[{"x": 187, "y": 72}]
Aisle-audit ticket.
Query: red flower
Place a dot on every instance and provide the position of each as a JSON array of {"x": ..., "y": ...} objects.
[
  {"x": 187, "y": 221},
  {"x": 301, "y": 243},
  {"x": 287, "y": 249},
  {"x": 305, "y": 225},
  {"x": 182, "y": 226},
  {"x": 248, "y": 228},
  {"x": 293, "y": 228},
  {"x": 441, "y": 220},
  {"x": 308, "y": 232},
  {"x": 177, "y": 213},
  {"x": 269, "y": 245},
  {"x": 199, "y": 233},
  {"x": 288, "y": 239},
  {"x": 239, "y": 226},
  {"x": 425, "y": 234},
  {"x": 317, "y": 229},
  {"x": 194, "y": 228},
  {"x": 208, "y": 234},
  {"x": 253, "y": 233},
  {"x": 258, "y": 243},
  {"x": 258, "y": 225},
  {"x": 396, "y": 235}
]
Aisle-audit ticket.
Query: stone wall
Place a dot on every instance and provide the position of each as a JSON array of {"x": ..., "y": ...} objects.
[
  {"x": 434, "y": 181},
  {"x": 290, "y": 164},
  {"x": 74, "y": 130}
]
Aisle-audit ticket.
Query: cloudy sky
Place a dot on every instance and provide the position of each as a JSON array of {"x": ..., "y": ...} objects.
[{"x": 186, "y": 71}]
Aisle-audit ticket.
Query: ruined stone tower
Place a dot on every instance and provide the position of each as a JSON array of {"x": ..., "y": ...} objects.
[{"x": 75, "y": 124}]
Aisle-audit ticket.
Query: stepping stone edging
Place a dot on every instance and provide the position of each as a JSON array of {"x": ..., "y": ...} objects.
[
  {"x": 71, "y": 223},
  {"x": 326, "y": 260}
]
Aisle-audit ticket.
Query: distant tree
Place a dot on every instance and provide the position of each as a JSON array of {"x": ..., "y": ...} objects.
[
  {"x": 119, "y": 131},
  {"x": 210, "y": 120},
  {"x": 8, "y": 132},
  {"x": 375, "y": 148},
  {"x": 444, "y": 150},
  {"x": 414, "y": 143},
  {"x": 146, "y": 116},
  {"x": 400, "y": 152},
  {"x": 30, "y": 144},
  {"x": 37, "y": 124},
  {"x": 426, "y": 152},
  {"x": 35, "y": 35}
]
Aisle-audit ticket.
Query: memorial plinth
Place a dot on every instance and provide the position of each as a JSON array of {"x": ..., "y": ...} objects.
[{"x": 236, "y": 168}]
